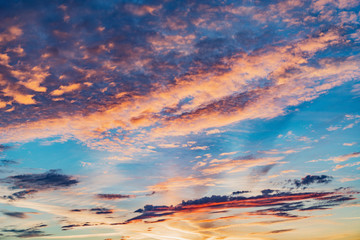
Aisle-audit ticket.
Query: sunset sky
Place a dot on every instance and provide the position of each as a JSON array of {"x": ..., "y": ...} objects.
[{"x": 188, "y": 120}]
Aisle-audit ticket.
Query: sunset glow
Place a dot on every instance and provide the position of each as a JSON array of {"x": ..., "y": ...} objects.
[{"x": 188, "y": 120}]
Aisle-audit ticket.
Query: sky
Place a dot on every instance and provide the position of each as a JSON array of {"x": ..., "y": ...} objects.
[{"x": 187, "y": 120}]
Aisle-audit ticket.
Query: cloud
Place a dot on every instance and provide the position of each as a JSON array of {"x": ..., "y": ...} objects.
[
  {"x": 102, "y": 210},
  {"x": 312, "y": 179},
  {"x": 26, "y": 232},
  {"x": 227, "y": 153},
  {"x": 65, "y": 89},
  {"x": 345, "y": 157},
  {"x": 349, "y": 179},
  {"x": 96, "y": 210},
  {"x": 199, "y": 148},
  {"x": 213, "y": 131},
  {"x": 114, "y": 196},
  {"x": 165, "y": 70},
  {"x": 181, "y": 182},
  {"x": 33, "y": 183},
  {"x": 200, "y": 98},
  {"x": 333, "y": 128},
  {"x": 7, "y": 162},
  {"x": 281, "y": 231},
  {"x": 339, "y": 166},
  {"x": 4, "y": 147},
  {"x": 239, "y": 192},
  {"x": 241, "y": 164},
  {"x": 289, "y": 171},
  {"x": 276, "y": 151},
  {"x": 168, "y": 145},
  {"x": 10, "y": 34},
  {"x": 15, "y": 214},
  {"x": 20, "y": 195},
  {"x": 280, "y": 202},
  {"x": 349, "y": 144},
  {"x": 52, "y": 179},
  {"x": 260, "y": 171}
]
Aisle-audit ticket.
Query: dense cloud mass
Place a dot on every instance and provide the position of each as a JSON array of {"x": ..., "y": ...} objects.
[
  {"x": 284, "y": 202},
  {"x": 215, "y": 65}
]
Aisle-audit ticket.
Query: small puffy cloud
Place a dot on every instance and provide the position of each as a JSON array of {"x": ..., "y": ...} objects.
[
  {"x": 168, "y": 145},
  {"x": 213, "y": 131},
  {"x": 10, "y": 34},
  {"x": 66, "y": 89},
  {"x": 333, "y": 128},
  {"x": 312, "y": 179},
  {"x": 199, "y": 148},
  {"x": 349, "y": 144}
]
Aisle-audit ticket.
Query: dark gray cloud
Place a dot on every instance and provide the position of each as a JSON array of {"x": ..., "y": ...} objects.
[
  {"x": 72, "y": 226},
  {"x": 266, "y": 192},
  {"x": 20, "y": 195},
  {"x": 150, "y": 194},
  {"x": 26, "y": 233},
  {"x": 281, "y": 204},
  {"x": 7, "y": 162},
  {"x": 32, "y": 183},
  {"x": 113, "y": 196},
  {"x": 312, "y": 179},
  {"x": 281, "y": 230},
  {"x": 239, "y": 192},
  {"x": 97, "y": 210},
  {"x": 260, "y": 171},
  {"x": 4, "y": 147},
  {"x": 52, "y": 179},
  {"x": 101, "y": 210},
  {"x": 15, "y": 214}
]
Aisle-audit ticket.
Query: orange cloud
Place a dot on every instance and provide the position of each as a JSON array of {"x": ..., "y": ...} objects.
[
  {"x": 217, "y": 98},
  {"x": 32, "y": 78},
  {"x": 18, "y": 96},
  {"x": 344, "y": 158},
  {"x": 66, "y": 89},
  {"x": 181, "y": 182},
  {"x": 231, "y": 165},
  {"x": 10, "y": 34}
]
